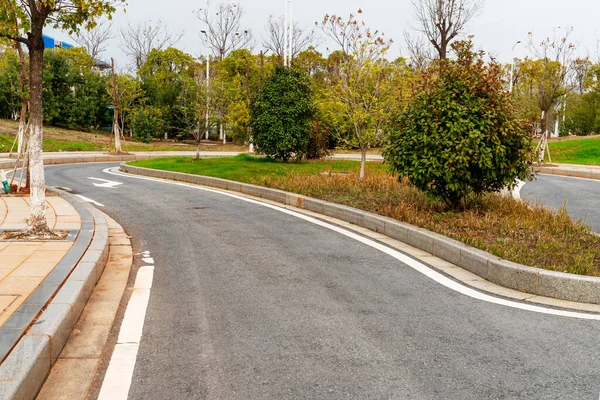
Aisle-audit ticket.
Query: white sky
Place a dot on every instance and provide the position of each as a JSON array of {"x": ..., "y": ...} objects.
[{"x": 498, "y": 27}]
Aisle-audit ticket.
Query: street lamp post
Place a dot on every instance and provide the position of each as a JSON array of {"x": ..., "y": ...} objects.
[
  {"x": 512, "y": 67},
  {"x": 207, "y": 86}
]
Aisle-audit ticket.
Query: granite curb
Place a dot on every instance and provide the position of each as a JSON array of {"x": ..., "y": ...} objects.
[
  {"x": 91, "y": 158},
  {"x": 569, "y": 172},
  {"x": 27, "y": 366},
  {"x": 535, "y": 281}
]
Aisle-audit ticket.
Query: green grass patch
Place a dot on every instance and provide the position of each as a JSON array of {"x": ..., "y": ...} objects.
[
  {"x": 248, "y": 169},
  {"x": 582, "y": 151},
  {"x": 525, "y": 233}
]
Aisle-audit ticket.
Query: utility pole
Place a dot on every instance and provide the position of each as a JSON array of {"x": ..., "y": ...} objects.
[
  {"x": 207, "y": 87},
  {"x": 288, "y": 32}
]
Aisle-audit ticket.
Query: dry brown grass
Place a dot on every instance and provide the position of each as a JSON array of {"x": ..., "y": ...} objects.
[{"x": 517, "y": 231}]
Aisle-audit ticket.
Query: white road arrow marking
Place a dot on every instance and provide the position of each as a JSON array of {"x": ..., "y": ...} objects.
[
  {"x": 86, "y": 199},
  {"x": 106, "y": 184}
]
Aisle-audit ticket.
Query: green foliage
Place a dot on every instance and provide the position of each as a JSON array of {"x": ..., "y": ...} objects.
[
  {"x": 459, "y": 135},
  {"x": 9, "y": 77},
  {"x": 164, "y": 75},
  {"x": 583, "y": 115},
  {"x": 280, "y": 115},
  {"x": 74, "y": 96},
  {"x": 147, "y": 122}
]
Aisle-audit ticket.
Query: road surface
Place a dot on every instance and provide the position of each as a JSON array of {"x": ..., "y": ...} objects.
[
  {"x": 581, "y": 196},
  {"x": 249, "y": 302}
]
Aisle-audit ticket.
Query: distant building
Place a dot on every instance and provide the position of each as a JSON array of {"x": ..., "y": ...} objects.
[{"x": 51, "y": 43}]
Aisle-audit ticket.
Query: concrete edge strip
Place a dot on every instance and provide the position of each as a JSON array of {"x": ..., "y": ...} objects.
[
  {"x": 24, "y": 371},
  {"x": 567, "y": 172},
  {"x": 505, "y": 273},
  {"x": 84, "y": 158}
]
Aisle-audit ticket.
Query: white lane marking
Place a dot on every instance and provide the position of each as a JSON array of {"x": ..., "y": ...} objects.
[
  {"x": 416, "y": 265},
  {"x": 148, "y": 260},
  {"x": 106, "y": 184},
  {"x": 119, "y": 374},
  {"x": 87, "y": 199}
]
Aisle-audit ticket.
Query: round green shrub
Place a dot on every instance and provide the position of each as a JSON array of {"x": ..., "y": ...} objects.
[
  {"x": 459, "y": 134},
  {"x": 280, "y": 115}
]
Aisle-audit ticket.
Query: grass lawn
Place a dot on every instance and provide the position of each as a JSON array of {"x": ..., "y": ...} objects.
[
  {"x": 585, "y": 151},
  {"x": 59, "y": 139},
  {"x": 524, "y": 233}
]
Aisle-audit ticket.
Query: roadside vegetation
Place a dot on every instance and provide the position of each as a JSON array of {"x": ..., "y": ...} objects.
[
  {"x": 59, "y": 139},
  {"x": 525, "y": 233}
]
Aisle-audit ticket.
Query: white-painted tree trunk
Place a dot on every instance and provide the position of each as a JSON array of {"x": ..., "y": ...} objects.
[
  {"x": 117, "y": 130},
  {"x": 37, "y": 224},
  {"x": 221, "y": 134},
  {"x": 363, "y": 163},
  {"x": 21, "y": 139},
  {"x": 37, "y": 202}
]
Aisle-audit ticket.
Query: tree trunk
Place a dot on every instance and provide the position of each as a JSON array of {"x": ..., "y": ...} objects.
[
  {"x": 37, "y": 224},
  {"x": 21, "y": 134},
  {"x": 116, "y": 105},
  {"x": 117, "y": 131},
  {"x": 198, "y": 149},
  {"x": 363, "y": 163},
  {"x": 221, "y": 130}
]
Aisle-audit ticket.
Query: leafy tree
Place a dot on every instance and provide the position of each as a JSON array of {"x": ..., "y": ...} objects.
[
  {"x": 583, "y": 114},
  {"x": 163, "y": 75},
  {"x": 147, "y": 122},
  {"x": 24, "y": 21},
  {"x": 9, "y": 76},
  {"x": 123, "y": 91},
  {"x": 280, "y": 115},
  {"x": 459, "y": 135},
  {"x": 74, "y": 96},
  {"x": 360, "y": 91}
]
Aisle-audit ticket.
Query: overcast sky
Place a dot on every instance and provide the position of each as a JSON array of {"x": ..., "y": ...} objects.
[{"x": 499, "y": 26}]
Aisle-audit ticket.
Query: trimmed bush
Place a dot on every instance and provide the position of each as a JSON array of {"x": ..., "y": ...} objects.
[
  {"x": 459, "y": 135},
  {"x": 280, "y": 115}
]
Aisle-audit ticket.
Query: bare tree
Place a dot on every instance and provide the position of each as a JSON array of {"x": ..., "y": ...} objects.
[
  {"x": 95, "y": 40},
  {"x": 223, "y": 29},
  {"x": 420, "y": 54},
  {"x": 580, "y": 69},
  {"x": 138, "y": 41},
  {"x": 441, "y": 21},
  {"x": 275, "y": 39},
  {"x": 555, "y": 55}
]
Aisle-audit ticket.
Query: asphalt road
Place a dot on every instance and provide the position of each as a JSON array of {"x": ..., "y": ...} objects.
[
  {"x": 581, "y": 196},
  {"x": 252, "y": 303}
]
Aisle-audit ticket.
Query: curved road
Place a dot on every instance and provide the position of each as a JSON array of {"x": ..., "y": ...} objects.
[
  {"x": 581, "y": 196},
  {"x": 252, "y": 303}
]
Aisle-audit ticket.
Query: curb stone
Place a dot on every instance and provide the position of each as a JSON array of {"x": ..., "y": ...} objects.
[
  {"x": 27, "y": 366},
  {"x": 567, "y": 172},
  {"x": 535, "y": 281},
  {"x": 92, "y": 158}
]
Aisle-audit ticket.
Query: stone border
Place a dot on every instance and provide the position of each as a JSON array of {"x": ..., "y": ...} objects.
[
  {"x": 27, "y": 366},
  {"x": 573, "y": 173},
  {"x": 505, "y": 273},
  {"x": 91, "y": 158}
]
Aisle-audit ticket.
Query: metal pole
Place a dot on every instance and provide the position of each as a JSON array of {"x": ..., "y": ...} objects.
[
  {"x": 207, "y": 89},
  {"x": 285, "y": 32},
  {"x": 291, "y": 33}
]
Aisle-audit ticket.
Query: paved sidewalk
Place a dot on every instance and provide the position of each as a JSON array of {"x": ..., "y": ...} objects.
[{"x": 24, "y": 265}]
